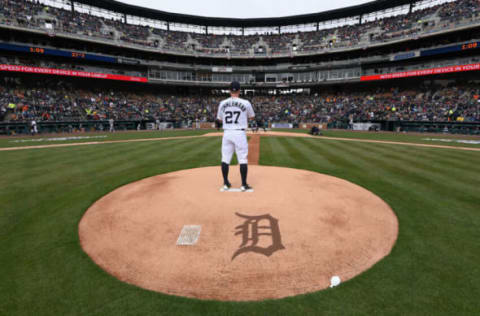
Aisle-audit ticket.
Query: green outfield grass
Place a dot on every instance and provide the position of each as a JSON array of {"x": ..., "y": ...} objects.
[{"x": 432, "y": 270}]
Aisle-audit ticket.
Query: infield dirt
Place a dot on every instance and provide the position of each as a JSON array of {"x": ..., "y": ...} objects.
[{"x": 254, "y": 150}]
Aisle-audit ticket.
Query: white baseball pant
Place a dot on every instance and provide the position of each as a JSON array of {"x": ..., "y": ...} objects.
[{"x": 234, "y": 141}]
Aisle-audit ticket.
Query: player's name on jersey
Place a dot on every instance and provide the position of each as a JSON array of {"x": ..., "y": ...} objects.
[{"x": 234, "y": 104}]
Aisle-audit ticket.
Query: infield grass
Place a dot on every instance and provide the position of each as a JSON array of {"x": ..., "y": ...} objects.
[{"x": 432, "y": 270}]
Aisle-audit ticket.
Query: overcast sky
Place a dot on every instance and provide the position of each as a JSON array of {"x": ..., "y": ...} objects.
[{"x": 244, "y": 8}]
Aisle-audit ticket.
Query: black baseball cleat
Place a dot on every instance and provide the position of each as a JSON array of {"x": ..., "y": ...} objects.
[
  {"x": 227, "y": 186},
  {"x": 246, "y": 188}
]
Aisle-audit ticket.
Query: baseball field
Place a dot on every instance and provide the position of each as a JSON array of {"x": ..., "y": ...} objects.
[{"x": 433, "y": 268}]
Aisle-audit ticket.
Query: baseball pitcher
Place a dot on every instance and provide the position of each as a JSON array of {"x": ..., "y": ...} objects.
[{"x": 234, "y": 113}]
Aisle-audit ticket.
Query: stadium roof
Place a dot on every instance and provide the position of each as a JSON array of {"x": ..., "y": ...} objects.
[{"x": 347, "y": 12}]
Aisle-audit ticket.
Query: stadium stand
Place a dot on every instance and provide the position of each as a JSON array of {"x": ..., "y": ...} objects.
[
  {"x": 34, "y": 15},
  {"x": 58, "y": 100},
  {"x": 295, "y": 76}
]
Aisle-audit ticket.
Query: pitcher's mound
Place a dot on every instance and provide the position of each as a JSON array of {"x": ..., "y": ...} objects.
[{"x": 178, "y": 234}]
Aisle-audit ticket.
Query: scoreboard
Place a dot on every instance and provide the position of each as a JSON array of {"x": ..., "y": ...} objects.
[
  {"x": 450, "y": 49},
  {"x": 470, "y": 46},
  {"x": 56, "y": 52}
]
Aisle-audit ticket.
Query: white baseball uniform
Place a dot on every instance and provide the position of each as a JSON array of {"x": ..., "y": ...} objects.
[
  {"x": 112, "y": 127},
  {"x": 34, "y": 127},
  {"x": 234, "y": 113}
]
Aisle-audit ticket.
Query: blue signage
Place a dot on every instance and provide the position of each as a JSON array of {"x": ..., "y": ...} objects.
[
  {"x": 450, "y": 49},
  {"x": 56, "y": 52}
]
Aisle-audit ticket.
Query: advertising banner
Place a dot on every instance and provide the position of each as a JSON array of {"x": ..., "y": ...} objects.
[
  {"x": 55, "y": 52},
  {"x": 282, "y": 125},
  {"x": 404, "y": 56},
  {"x": 70, "y": 73},
  {"x": 366, "y": 126},
  {"x": 423, "y": 72}
]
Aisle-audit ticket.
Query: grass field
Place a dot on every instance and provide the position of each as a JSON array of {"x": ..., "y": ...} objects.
[
  {"x": 25, "y": 141},
  {"x": 432, "y": 270},
  {"x": 429, "y": 139}
]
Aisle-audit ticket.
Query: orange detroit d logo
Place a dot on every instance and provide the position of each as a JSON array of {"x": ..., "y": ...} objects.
[{"x": 251, "y": 230}]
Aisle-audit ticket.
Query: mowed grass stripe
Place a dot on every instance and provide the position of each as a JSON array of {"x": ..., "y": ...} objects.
[
  {"x": 419, "y": 178},
  {"x": 290, "y": 146},
  {"x": 291, "y": 149},
  {"x": 117, "y": 156},
  {"x": 276, "y": 150},
  {"x": 349, "y": 165},
  {"x": 80, "y": 163},
  {"x": 79, "y": 172},
  {"x": 68, "y": 157},
  {"x": 461, "y": 159},
  {"x": 337, "y": 162},
  {"x": 300, "y": 151},
  {"x": 416, "y": 165},
  {"x": 72, "y": 167}
]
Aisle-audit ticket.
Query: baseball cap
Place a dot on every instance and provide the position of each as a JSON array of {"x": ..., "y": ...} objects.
[{"x": 235, "y": 86}]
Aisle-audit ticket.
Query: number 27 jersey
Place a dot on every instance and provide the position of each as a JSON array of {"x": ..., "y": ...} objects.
[{"x": 234, "y": 113}]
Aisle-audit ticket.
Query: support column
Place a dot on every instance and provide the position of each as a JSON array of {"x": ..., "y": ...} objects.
[
  {"x": 168, "y": 26},
  {"x": 125, "y": 18},
  {"x": 72, "y": 3},
  {"x": 318, "y": 26},
  {"x": 361, "y": 19},
  {"x": 410, "y": 8}
]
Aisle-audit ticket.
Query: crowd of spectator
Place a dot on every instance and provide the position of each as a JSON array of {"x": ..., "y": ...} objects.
[
  {"x": 30, "y": 13},
  {"x": 49, "y": 102},
  {"x": 78, "y": 23},
  {"x": 316, "y": 40},
  {"x": 425, "y": 103},
  {"x": 243, "y": 43},
  {"x": 465, "y": 8},
  {"x": 173, "y": 40},
  {"x": 208, "y": 41},
  {"x": 54, "y": 100},
  {"x": 22, "y": 12},
  {"x": 279, "y": 43}
]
